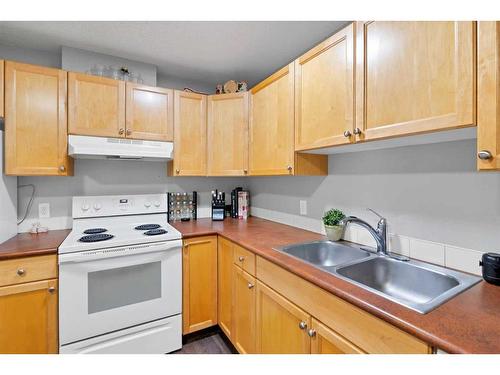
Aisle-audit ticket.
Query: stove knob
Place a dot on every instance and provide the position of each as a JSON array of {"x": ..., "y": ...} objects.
[
  {"x": 85, "y": 207},
  {"x": 97, "y": 206},
  {"x": 157, "y": 203},
  {"x": 147, "y": 204}
]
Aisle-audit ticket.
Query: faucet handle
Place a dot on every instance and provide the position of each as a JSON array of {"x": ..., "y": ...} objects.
[{"x": 379, "y": 216}]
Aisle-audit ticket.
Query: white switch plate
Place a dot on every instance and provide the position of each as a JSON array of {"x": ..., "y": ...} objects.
[
  {"x": 44, "y": 210},
  {"x": 303, "y": 207}
]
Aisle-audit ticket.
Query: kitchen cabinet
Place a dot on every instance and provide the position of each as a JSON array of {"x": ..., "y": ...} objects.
[
  {"x": 35, "y": 121},
  {"x": 225, "y": 285},
  {"x": 244, "y": 311},
  {"x": 228, "y": 134},
  {"x": 2, "y": 88},
  {"x": 190, "y": 134},
  {"x": 199, "y": 272},
  {"x": 281, "y": 326},
  {"x": 414, "y": 77},
  {"x": 149, "y": 112},
  {"x": 326, "y": 341},
  {"x": 96, "y": 106},
  {"x": 271, "y": 132},
  {"x": 324, "y": 93},
  {"x": 488, "y": 95}
]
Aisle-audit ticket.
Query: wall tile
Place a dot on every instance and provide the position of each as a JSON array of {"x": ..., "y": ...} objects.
[
  {"x": 463, "y": 259},
  {"x": 427, "y": 251},
  {"x": 399, "y": 244}
]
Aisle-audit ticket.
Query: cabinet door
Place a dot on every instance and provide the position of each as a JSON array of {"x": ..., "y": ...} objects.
[
  {"x": 414, "y": 77},
  {"x": 1, "y": 88},
  {"x": 271, "y": 146},
  {"x": 488, "y": 95},
  {"x": 190, "y": 134},
  {"x": 228, "y": 134},
  {"x": 244, "y": 311},
  {"x": 150, "y": 112},
  {"x": 199, "y": 272},
  {"x": 281, "y": 326},
  {"x": 29, "y": 318},
  {"x": 35, "y": 121},
  {"x": 225, "y": 285},
  {"x": 96, "y": 106},
  {"x": 326, "y": 341},
  {"x": 324, "y": 96}
]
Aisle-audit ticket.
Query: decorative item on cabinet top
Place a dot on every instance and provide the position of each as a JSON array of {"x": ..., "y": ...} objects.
[
  {"x": 122, "y": 73},
  {"x": 231, "y": 87}
]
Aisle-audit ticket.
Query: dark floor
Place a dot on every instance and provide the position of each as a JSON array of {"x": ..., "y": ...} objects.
[{"x": 211, "y": 342}]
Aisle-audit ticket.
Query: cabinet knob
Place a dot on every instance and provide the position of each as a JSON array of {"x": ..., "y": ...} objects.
[
  {"x": 21, "y": 271},
  {"x": 347, "y": 134},
  {"x": 250, "y": 285},
  {"x": 484, "y": 155},
  {"x": 311, "y": 332},
  {"x": 289, "y": 168},
  {"x": 129, "y": 132},
  {"x": 177, "y": 171},
  {"x": 357, "y": 131},
  {"x": 302, "y": 325},
  {"x": 241, "y": 259},
  {"x": 52, "y": 289},
  {"x": 245, "y": 171},
  {"x": 121, "y": 131},
  {"x": 62, "y": 168}
]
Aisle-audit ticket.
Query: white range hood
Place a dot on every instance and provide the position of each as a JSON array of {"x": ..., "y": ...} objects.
[{"x": 84, "y": 147}]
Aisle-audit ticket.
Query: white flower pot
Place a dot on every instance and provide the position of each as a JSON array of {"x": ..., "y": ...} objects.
[{"x": 334, "y": 232}]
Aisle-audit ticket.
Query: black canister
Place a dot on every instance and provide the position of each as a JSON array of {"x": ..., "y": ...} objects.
[{"x": 491, "y": 268}]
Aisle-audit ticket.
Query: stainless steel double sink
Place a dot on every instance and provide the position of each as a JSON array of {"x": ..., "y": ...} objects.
[{"x": 417, "y": 285}]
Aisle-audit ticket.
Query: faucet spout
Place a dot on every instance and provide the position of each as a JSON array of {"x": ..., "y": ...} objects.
[{"x": 379, "y": 234}]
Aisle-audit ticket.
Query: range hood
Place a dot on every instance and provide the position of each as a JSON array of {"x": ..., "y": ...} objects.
[{"x": 84, "y": 147}]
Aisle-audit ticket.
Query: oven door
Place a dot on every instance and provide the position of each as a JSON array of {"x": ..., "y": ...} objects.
[{"x": 101, "y": 291}]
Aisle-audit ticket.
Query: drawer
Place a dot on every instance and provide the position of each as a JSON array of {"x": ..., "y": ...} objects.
[
  {"x": 24, "y": 270},
  {"x": 245, "y": 259}
]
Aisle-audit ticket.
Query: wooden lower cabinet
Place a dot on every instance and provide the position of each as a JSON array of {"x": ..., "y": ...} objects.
[
  {"x": 28, "y": 318},
  {"x": 225, "y": 285},
  {"x": 244, "y": 311},
  {"x": 326, "y": 341},
  {"x": 281, "y": 326},
  {"x": 199, "y": 273}
]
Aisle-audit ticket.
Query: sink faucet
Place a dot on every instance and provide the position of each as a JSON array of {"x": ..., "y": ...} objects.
[{"x": 379, "y": 234}]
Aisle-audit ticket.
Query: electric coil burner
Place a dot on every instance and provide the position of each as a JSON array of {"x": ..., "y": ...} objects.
[
  {"x": 147, "y": 226},
  {"x": 155, "y": 232},
  {"x": 95, "y": 230},
  {"x": 96, "y": 237}
]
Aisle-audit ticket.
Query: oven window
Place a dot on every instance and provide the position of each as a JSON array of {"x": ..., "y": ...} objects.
[{"x": 117, "y": 287}]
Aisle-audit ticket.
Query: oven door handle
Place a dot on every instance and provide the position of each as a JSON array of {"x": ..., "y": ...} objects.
[{"x": 101, "y": 254}]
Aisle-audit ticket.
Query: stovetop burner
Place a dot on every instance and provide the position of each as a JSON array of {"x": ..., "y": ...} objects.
[
  {"x": 155, "y": 232},
  {"x": 147, "y": 226},
  {"x": 95, "y": 230},
  {"x": 96, "y": 237}
]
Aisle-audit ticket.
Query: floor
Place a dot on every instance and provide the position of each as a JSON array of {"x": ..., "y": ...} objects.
[{"x": 211, "y": 342}]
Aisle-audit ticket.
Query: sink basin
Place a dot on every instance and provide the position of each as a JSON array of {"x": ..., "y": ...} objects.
[
  {"x": 325, "y": 254},
  {"x": 416, "y": 285}
]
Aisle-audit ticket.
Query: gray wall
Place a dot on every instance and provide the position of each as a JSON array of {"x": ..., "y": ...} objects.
[
  {"x": 431, "y": 192},
  {"x": 30, "y": 56}
]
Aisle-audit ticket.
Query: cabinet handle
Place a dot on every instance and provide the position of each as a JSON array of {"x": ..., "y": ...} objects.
[
  {"x": 250, "y": 285},
  {"x": 121, "y": 131},
  {"x": 62, "y": 168},
  {"x": 241, "y": 259},
  {"x": 357, "y": 131},
  {"x": 21, "y": 271},
  {"x": 484, "y": 155},
  {"x": 52, "y": 289},
  {"x": 311, "y": 333},
  {"x": 347, "y": 134},
  {"x": 302, "y": 325},
  {"x": 129, "y": 132}
]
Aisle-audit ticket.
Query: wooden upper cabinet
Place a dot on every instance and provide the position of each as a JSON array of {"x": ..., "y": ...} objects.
[
  {"x": 225, "y": 285},
  {"x": 271, "y": 146},
  {"x": 228, "y": 134},
  {"x": 488, "y": 95},
  {"x": 35, "y": 121},
  {"x": 414, "y": 77},
  {"x": 1, "y": 88},
  {"x": 324, "y": 93},
  {"x": 149, "y": 112},
  {"x": 199, "y": 272},
  {"x": 190, "y": 134},
  {"x": 244, "y": 311},
  {"x": 96, "y": 106},
  {"x": 281, "y": 326},
  {"x": 326, "y": 341},
  {"x": 28, "y": 323}
]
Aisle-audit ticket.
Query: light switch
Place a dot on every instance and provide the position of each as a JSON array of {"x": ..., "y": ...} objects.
[
  {"x": 303, "y": 207},
  {"x": 44, "y": 210}
]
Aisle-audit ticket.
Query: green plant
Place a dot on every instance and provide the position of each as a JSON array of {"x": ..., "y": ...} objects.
[{"x": 333, "y": 217}]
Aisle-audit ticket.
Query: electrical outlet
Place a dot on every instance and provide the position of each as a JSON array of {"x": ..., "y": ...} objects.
[
  {"x": 44, "y": 210},
  {"x": 303, "y": 207}
]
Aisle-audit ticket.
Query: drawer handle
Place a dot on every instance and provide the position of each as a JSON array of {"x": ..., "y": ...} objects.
[
  {"x": 357, "y": 131},
  {"x": 52, "y": 289},
  {"x": 250, "y": 285},
  {"x": 311, "y": 333},
  {"x": 241, "y": 258},
  {"x": 302, "y": 325},
  {"x": 21, "y": 272}
]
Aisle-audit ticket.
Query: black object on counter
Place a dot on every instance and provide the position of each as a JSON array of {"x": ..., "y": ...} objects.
[
  {"x": 234, "y": 202},
  {"x": 491, "y": 268},
  {"x": 218, "y": 205},
  {"x": 182, "y": 206}
]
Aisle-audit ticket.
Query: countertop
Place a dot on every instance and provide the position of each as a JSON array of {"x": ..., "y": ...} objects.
[
  {"x": 27, "y": 244},
  {"x": 469, "y": 323}
]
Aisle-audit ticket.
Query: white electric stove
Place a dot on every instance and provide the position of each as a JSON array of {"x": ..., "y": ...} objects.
[{"x": 120, "y": 277}]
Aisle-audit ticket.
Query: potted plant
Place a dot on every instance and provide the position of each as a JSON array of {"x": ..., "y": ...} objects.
[{"x": 333, "y": 228}]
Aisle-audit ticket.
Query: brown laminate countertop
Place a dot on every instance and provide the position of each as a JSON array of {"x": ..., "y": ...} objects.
[
  {"x": 468, "y": 323},
  {"x": 27, "y": 244}
]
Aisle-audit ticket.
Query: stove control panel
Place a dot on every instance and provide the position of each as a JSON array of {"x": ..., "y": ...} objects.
[{"x": 116, "y": 205}]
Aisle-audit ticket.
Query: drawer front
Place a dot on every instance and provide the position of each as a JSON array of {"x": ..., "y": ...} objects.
[
  {"x": 244, "y": 259},
  {"x": 23, "y": 270}
]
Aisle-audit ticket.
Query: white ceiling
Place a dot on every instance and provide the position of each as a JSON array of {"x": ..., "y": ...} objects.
[{"x": 204, "y": 52}]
